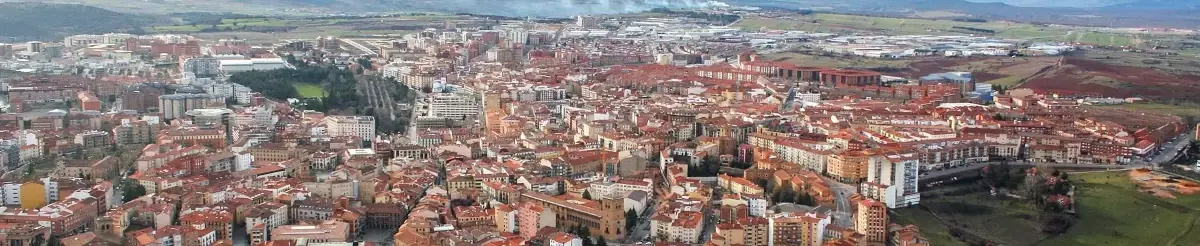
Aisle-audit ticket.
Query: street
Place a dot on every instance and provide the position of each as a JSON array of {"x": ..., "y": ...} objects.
[
  {"x": 641, "y": 231},
  {"x": 841, "y": 197}
]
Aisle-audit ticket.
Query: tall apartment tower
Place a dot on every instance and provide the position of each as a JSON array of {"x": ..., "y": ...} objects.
[{"x": 871, "y": 219}]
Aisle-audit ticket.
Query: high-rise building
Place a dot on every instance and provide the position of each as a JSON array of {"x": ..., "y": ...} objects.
[
  {"x": 6, "y": 51},
  {"x": 202, "y": 67},
  {"x": 892, "y": 179},
  {"x": 871, "y": 219},
  {"x": 587, "y": 21},
  {"x": 175, "y": 105},
  {"x": 518, "y": 36},
  {"x": 214, "y": 118},
  {"x": 33, "y": 46}
]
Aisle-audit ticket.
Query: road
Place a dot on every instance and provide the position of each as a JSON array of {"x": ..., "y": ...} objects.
[
  {"x": 841, "y": 197},
  {"x": 641, "y": 231}
]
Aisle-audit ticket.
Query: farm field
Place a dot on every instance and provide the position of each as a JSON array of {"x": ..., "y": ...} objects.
[
  {"x": 266, "y": 30},
  {"x": 826, "y": 22}
]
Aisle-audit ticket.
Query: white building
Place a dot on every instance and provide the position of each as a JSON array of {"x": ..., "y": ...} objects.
[
  {"x": 564, "y": 239},
  {"x": 358, "y": 126},
  {"x": 257, "y": 116},
  {"x": 175, "y": 105},
  {"x": 240, "y": 93},
  {"x": 233, "y": 66},
  {"x": 892, "y": 179},
  {"x": 757, "y": 203},
  {"x": 587, "y": 21},
  {"x": 454, "y": 105},
  {"x": 243, "y": 161},
  {"x": 204, "y": 66}
]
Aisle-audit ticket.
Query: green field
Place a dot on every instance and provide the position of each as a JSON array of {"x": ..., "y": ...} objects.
[
  {"x": 309, "y": 90},
  {"x": 824, "y": 22},
  {"x": 1010, "y": 81},
  {"x": 935, "y": 232},
  {"x": 1112, "y": 212},
  {"x": 238, "y": 24},
  {"x": 1179, "y": 110}
]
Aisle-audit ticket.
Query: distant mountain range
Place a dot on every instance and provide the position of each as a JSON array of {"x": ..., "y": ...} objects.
[
  {"x": 40, "y": 21},
  {"x": 36, "y": 21},
  {"x": 1159, "y": 4}
]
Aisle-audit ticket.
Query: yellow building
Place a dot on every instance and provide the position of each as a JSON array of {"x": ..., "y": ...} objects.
[{"x": 33, "y": 195}]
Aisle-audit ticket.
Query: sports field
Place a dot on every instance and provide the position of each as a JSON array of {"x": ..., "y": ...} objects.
[{"x": 309, "y": 90}]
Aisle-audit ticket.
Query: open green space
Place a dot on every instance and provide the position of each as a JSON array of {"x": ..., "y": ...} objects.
[
  {"x": 1113, "y": 212},
  {"x": 1010, "y": 81},
  {"x": 934, "y": 231},
  {"x": 1182, "y": 110},
  {"x": 309, "y": 90}
]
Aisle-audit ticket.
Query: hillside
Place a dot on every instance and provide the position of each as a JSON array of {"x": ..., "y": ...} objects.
[{"x": 39, "y": 21}]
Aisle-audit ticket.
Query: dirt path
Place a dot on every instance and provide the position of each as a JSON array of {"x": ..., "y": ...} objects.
[{"x": 1191, "y": 226}]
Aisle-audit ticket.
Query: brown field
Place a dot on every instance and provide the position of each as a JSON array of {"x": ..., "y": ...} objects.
[{"x": 1093, "y": 78}]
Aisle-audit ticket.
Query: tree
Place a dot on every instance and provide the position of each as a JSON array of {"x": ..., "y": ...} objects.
[
  {"x": 587, "y": 194},
  {"x": 631, "y": 219},
  {"x": 132, "y": 190},
  {"x": 601, "y": 242}
]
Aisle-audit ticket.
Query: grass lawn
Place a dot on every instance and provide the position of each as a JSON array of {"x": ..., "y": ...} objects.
[
  {"x": 1180, "y": 110},
  {"x": 997, "y": 219},
  {"x": 934, "y": 231},
  {"x": 309, "y": 90},
  {"x": 1113, "y": 212},
  {"x": 1010, "y": 81}
]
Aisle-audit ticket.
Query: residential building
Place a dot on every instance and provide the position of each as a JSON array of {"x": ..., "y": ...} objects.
[
  {"x": 871, "y": 219},
  {"x": 362, "y": 127}
]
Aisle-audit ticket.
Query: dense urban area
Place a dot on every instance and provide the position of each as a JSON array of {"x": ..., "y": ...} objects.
[{"x": 720, "y": 126}]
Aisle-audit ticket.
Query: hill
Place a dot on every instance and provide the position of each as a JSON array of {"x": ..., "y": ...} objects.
[
  {"x": 1158, "y": 4},
  {"x": 39, "y": 21}
]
